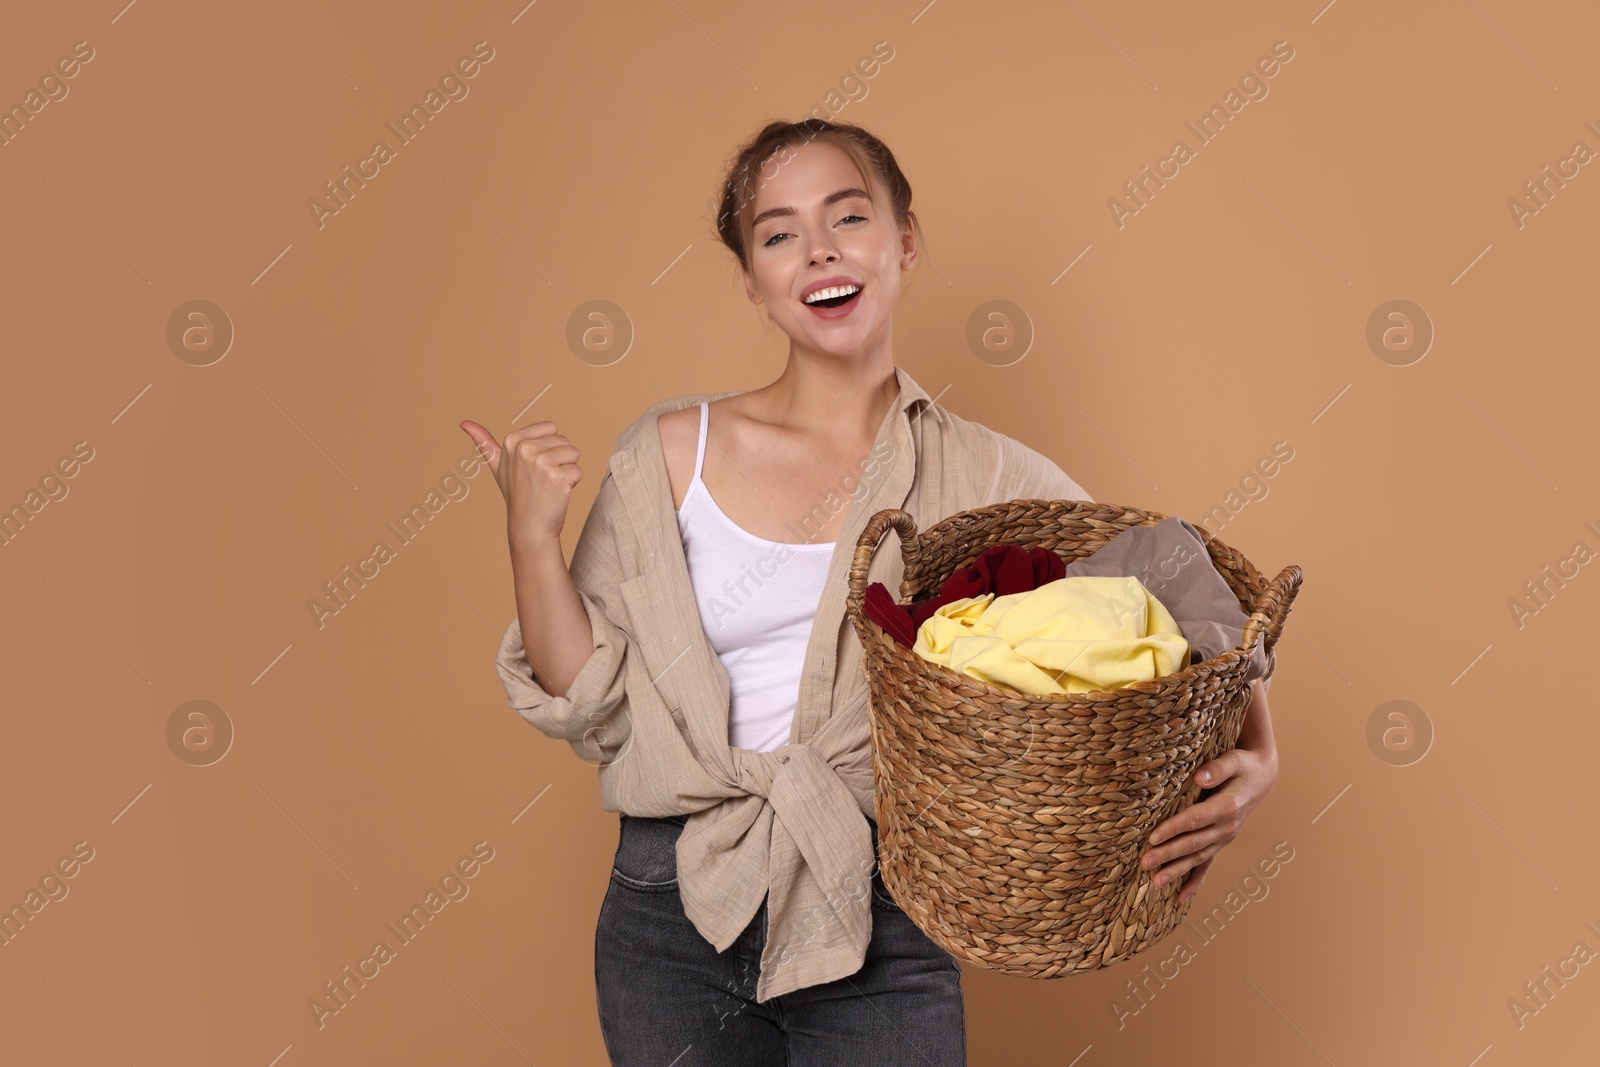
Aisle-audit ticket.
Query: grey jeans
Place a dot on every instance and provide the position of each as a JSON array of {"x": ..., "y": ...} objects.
[{"x": 667, "y": 998}]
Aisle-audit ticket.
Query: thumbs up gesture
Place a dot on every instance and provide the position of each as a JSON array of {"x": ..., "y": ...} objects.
[{"x": 536, "y": 469}]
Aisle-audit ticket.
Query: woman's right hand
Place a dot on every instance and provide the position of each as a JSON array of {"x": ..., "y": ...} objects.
[{"x": 536, "y": 470}]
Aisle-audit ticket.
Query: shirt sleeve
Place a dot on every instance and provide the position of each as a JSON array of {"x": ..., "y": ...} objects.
[
  {"x": 1035, "y": 475},
  {"x": 591, "y": 716},
  {"x": 1272, "y": 666}
]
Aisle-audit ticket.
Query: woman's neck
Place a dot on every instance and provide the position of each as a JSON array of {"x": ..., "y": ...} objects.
[{"x": 829, "y": 398}]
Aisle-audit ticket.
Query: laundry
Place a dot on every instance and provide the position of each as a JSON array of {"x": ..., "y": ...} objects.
[
  {"x": 1071, "y": 635},
  {"x": 1169, "y": 559},
  {"x": 1172, "y": 562},
  {"x": 999, "y": 569}
]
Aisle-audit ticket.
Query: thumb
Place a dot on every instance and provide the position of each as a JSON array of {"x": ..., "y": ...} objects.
[{"x": 488, "y": 447}]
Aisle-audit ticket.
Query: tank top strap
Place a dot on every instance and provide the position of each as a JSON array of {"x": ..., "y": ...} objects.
[{"x": 700, "y": 453}]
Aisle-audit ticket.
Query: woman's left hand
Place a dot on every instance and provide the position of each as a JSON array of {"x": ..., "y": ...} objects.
[{"x": 1236, "y": 782}]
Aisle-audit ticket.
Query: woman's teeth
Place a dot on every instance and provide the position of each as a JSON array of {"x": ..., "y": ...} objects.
[{"x": 833, "y": 296}]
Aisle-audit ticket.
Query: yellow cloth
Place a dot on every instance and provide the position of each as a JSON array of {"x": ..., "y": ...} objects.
[{"x": 1072, "y": 635}]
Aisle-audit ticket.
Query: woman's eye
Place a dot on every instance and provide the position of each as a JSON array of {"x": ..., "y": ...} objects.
[{"x": 770, "y": 241}]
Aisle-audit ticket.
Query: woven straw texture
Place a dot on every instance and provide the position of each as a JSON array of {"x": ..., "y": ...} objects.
[{"x": 1010, "y": 826}]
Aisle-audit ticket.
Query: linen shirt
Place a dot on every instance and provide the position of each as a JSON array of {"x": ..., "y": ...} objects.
[{"x": 651, "y": 703}]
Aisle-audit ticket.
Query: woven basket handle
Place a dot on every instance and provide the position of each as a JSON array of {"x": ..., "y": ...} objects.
[
  {"x": 867, "y": 544},
  {"x": 1272, "y": 609}
]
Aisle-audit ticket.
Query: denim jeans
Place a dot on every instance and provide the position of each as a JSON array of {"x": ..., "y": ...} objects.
[{"x": 667, "y": 997}]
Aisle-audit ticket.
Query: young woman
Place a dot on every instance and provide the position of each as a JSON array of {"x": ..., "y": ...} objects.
[{"x": 697, "y": 648}]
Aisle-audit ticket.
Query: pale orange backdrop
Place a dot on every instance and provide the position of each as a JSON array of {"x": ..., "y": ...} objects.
[{"x": 194, "y": 482}]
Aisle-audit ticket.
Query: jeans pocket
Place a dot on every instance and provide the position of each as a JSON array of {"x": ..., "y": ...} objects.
[
  {"x": 647, "y": 855},
  {"x": 643, "y": 887}
]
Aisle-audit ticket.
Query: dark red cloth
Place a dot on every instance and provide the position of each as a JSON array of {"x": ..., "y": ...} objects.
[
  {"x": 880, "y": 607},
  {"x": 999, "y": 569}
]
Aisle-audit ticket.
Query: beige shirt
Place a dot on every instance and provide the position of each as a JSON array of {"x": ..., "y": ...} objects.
[{"x": 651, "y": 703}]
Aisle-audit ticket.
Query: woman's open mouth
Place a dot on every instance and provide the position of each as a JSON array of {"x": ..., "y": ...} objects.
[{"x": 835, "y": 302}]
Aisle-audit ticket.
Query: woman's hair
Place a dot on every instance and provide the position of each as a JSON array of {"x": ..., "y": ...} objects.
[{"x": 756, "y": 163}]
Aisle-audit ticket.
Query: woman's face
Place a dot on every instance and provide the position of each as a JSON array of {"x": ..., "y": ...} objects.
[{"x": 807, "y": 234}]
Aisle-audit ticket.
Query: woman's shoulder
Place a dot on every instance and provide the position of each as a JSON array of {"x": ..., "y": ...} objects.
[
  {"x": 1015, "y": 470},
  {"x": 631, "y": 434}
]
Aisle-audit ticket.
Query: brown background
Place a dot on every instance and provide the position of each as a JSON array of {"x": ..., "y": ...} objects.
[{"x": 370, "y": 753}]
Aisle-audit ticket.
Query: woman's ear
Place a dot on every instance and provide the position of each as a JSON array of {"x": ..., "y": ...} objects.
[
  {"x": 750, "y": 287},
  {"x": 910, "y": 238}
]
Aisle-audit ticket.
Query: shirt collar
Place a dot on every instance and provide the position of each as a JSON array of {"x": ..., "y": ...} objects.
[{"x": 913, "y": 398}]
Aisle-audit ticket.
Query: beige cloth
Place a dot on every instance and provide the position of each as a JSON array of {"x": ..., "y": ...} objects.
[
  {"x": 1173, "y": 564},
  {"x": 1070, "y": 635},
  {"x": 651, "y": 702}
]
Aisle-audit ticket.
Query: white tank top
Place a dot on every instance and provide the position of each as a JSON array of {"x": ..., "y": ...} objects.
[{"x": 758, "y": 602}]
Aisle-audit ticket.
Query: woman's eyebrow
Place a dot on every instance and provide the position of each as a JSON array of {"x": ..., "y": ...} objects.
[{"x": 831, "y": 198}]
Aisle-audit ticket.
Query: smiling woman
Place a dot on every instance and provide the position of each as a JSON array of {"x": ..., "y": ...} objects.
[
  {"x": 744, "y": 919},
  {"x": 819, "y": 216}
]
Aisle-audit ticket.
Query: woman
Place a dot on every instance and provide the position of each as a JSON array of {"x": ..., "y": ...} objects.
[{"x": 707, "y": 669}]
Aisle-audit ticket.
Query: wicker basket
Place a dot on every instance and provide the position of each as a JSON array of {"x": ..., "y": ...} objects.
[{"x": 1010, "y": 826}]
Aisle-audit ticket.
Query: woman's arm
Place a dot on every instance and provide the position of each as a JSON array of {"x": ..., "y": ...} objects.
[
  {"x": 579, "y": 692},
  {"x": 1237, "y": 781},
  {"x": 550, "y": 615},
  {"x": 1029, "y": 474}
]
